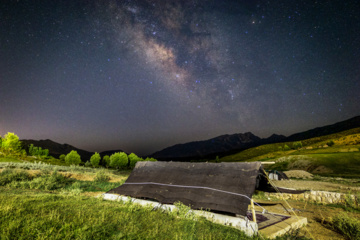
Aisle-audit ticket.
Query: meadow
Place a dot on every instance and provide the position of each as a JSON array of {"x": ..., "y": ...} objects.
[{"x": 45, "y": 198}]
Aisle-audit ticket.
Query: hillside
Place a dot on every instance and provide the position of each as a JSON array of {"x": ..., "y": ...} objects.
[
  {"x": 230, "y": 144},
  {"x": 315, "y": 156},
  {"x": 57, "y": 149}
]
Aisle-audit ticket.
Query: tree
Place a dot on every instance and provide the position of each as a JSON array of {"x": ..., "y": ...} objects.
[
  {"x": 11, "y": 143},
  {"x": 286, "y": 148},
  {"x": 62, "y": 157},
  {"x": 297, "y": 145},
  {"x": 38, "y": 151},
  {"x": 119, "y": 160},
  {"x": 133, "y": 159},
  {"x": 106, "y": 160},
  {"x": 150, "y": 159},
  {"x": 73, "y": 158},
  {"x": 95, "y": 159},
  {"x": 330, "y": 143}
]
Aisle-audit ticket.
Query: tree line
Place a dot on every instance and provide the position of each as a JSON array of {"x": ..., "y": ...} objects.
[{"x": 11, "y": 145}]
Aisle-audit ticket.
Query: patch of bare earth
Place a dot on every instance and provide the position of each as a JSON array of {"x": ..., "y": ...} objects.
[{"x": 317, "y": 215}]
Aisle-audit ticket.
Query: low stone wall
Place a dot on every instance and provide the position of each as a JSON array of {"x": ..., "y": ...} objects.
[{"x": 318, "y": 197}]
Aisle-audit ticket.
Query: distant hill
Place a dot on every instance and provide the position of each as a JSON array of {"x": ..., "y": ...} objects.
[
  {"x": 221, "y": 146},
  {"x": 326, "y": 130},
  {"x": 213, "y": 147},
  {"x": 229, "y": 144},
  {"x": 56, "y": 149}
]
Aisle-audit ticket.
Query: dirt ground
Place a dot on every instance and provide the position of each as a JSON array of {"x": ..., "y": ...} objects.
[{"x": 318, "y": 215}]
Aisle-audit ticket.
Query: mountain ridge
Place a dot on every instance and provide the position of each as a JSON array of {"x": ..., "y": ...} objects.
[
  {"x": 218, "y": 146},
  {"x": 194, "y": 150}
]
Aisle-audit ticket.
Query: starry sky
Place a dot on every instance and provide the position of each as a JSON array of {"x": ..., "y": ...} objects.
[{"x": 142, "y": 75}]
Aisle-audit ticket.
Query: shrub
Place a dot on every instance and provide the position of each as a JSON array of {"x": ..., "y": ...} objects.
[
  {"x": 101, "y": 176},
  {"x": 330, "y": 143},
  {"x": 95, "y": 159},
  {"x": 151, "y": 159},
  {"x": 73, "y": 158},
  {"x": 286, "y": 148},
  {"x": 51, "y": 181},
  {"x": 62, "y": 157},
  {"x": 297, "y": 145},
  {"x": 88, "y": 164},
  {"x": 9, "y": 175},
  {"x": 11, "y": 143},
  {"x": 106, "y": 160},
  {"x": 348, "y": 226},
  {"x": 38, "y": 151},
  {"x": 119, "y": 160},
  {"x": 133, "y": 159}
]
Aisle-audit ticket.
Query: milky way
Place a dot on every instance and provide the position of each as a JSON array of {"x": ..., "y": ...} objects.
[{"x": 143, "y": 75}]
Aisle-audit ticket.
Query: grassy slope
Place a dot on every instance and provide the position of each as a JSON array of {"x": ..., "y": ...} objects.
[
  {"x": 26, "y": 214},
  {"x": 30, "y": 210},
  {"x": 342, "y": 159}
]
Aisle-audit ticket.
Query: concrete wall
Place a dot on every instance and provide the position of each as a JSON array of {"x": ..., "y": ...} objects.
[{"x": 318, "y": 197}]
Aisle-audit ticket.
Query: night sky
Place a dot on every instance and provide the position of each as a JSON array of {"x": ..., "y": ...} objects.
[{"x": 144, "y": 75}]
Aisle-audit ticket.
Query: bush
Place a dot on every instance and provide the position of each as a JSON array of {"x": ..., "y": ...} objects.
[
  {"x": 151, "y": 159},
  {"x": 330, "y": 143},
  {"x": 286, "y": 148},
  {"x": 45, "y": 182},
  {"x": 106, "y": 160},
  {"x": 88, "y": 164},
  {"x": 297, "y": 145},
  {"x": 101, "y": 176},
  {"x": 11, "y": 143},
  {"x": 348, "y": 226},
  {"x": 9, "y": 175},
  {"x": 38, "y": 151},
  {"x": 119, "y": 160},
  {"x": 133, "y": 159},
  {"x": 95, "y": 159},
  {"x": 73, "y": 158},
  {"x": 62, "y": 157}
]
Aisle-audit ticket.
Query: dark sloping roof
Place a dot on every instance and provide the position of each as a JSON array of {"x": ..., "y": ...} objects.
[{"x": 225, "y": 187}]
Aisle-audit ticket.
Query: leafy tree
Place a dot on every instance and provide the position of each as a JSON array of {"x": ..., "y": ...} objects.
[
  {"x": 151, "y": 159},
  {"x": 286, "y": 148},
  {"x": 297, "y": 145},
  {"x": 88, "y": 164},
  {"x": 62, "y": 157},
  {"x": 38, "y": 151},
  {"x": 119, "y": 160},
  {"x": 95, "y": 159},
  {"x": 217, "y": 159},
  {"x": 330, "y": 143},
  {"x": 11, "y": 142},
  {"x": 73, "y": 158},
  {"x": 106, "y": 160},
  {"x": 133, "y": 159}
]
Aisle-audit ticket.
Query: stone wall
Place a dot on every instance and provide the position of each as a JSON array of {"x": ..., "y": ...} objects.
[{"x": 318, "y": 197}]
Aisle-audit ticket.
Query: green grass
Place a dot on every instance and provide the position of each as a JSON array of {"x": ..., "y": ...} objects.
[
  {"x": 271, "y": 151},
  {"x": 347, "y": 226},
  {"x": 4, "y": 158},
  {"x": 34, "y": 215}
]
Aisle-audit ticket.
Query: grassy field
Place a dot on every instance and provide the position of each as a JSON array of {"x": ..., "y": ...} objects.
[
  {"x": 48, "y": 200},
  {"x": 340, "y": 160},
  {"x": 27, "y": 214},
  {"x": 43, "y": 204}
]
